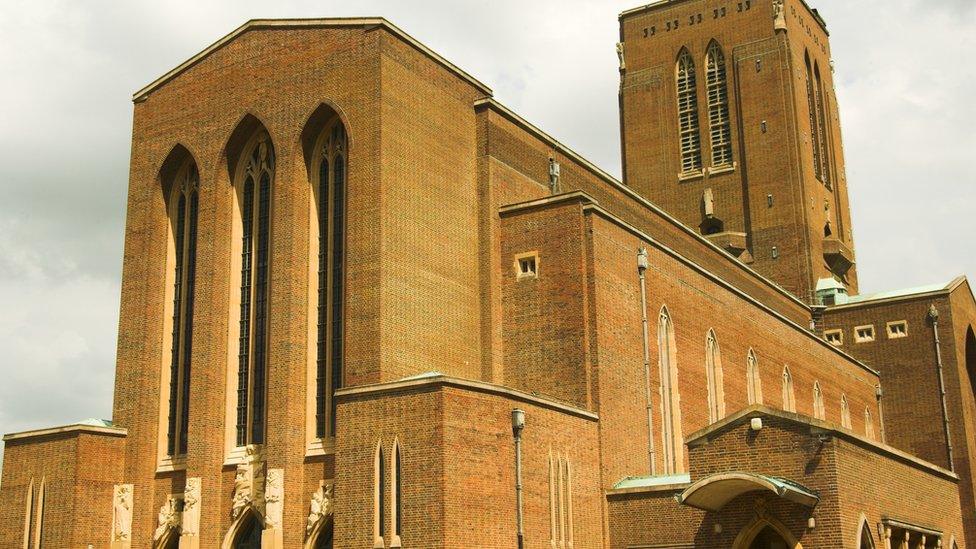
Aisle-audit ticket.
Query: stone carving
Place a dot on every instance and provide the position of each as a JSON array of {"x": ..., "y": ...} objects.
[
  {"x": 122, "y": 513},
  {"x": 170, "y": 516},
  {"x": 620, "y": 56},
  {"x": 249, "y": 483},
  {"x": 554, "y": 172},
  {"x": 321, "y": 506},
  {"x": 779, "y": 15},
  {"x": 274, "y": 492},
  {"x": 191, "y": 507}
]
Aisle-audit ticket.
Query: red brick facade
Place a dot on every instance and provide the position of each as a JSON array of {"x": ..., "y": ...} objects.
[{"x": 447, "y": 331}]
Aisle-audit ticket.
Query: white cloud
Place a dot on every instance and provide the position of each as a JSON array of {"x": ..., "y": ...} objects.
[{"x": 905, "y": 83}]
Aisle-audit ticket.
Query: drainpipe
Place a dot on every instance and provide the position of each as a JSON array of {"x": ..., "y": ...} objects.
[
  {"x": 642, "y": 264},
  {"x": 518, "y": 423},
  {"x": 934, "y": 317}
]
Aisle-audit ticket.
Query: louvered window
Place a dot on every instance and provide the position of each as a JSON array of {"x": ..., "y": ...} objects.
[
  {"x": 720, "y": 130},
  {"x": 814, "y": 124},
  {"x": 688, "y": 115}
]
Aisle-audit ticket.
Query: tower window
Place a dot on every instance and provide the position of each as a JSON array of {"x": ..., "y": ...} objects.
[
  {"x": 864, "y": 334},
  {"x": 814, "y": 124},
  {"x": 718, "y": 107},
  {"x": 834, "y": 337},
  {"x": 897, "y": 329},
  {"x": 527, "y": 265},
  {"x": 690, "y": 138}
]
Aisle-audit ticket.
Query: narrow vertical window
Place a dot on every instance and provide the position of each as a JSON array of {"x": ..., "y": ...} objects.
[
  {"x": 330, "y": 191},
  {"x": 255, "y": 211},
  {"x": 753, "y": 381},
  {"x": 822, "y": 127},
  {"x": 814, "y": 123},
  {"x": 868, "y": 424},
  {"x": 719, "y": 125},
  {"x": 690, "y": 137},
  {"x": 39, "y": 519},
  {"x": 379, "y": 501},
  {"x": 553, "y": 503},
  {"x": 819, "y": 410},
  {"x": 789, "y": 397},
  {"x": 845, "y": 412},
  {"x": 713, "y": 373},
  {"x": 29, "y": 512},
  {"x": 672, "y": 442},
  {"x": 184, "y": 205},
  {"x": 397, "y": 496},
  {"x": 560, "y": 501}
]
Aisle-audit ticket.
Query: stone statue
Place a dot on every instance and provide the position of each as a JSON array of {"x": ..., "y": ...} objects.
[
  {"x": 321, "y": 505},
  {"x": 554, "y": 173},
  {"x": 620, "y": 55},
  {"x": 243, "y": 481},
  {"x": 122, "y": 513},
  {"x": 169, "y": 517},
  {"x": 191, "y": 506},
  {"x": 274, "y": 498},
  {"x": 779, "y": 15}
]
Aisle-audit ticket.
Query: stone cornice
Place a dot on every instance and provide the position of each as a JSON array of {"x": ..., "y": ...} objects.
[{"x": 75, "y": 429}]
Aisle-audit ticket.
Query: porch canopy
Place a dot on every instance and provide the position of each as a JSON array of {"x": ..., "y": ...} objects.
[{"x": 712, "y": 493}]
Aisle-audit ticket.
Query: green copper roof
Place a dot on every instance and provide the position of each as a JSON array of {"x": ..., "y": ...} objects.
[{"x": 904, "y": 292}]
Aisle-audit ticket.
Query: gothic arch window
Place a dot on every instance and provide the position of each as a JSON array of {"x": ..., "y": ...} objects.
[
  {"x": 560, "y": 501},
  {"x": 253, "y": 182},
  {"x": 822, "y": 126},
  {"x": 713, "y": 373},
  {"x": 396, "y": 521},
  {"x": 328, "y": 172},
  {"x": 753, "y": 380},
  {"x": 672, "y": 441},
  {"x": 845, "y": 412},
  {"x": 689, "y": 131},
  {"x": 864, "y": 540},
  {"x": 183, "y": 209},
  {"x": 814, "y": 123},
  {"x": 868, "y": 424},
  {"x": 719, "y": 125},
  {"x": 789, "y": 396},
  {"x": 379, "y": 498},
  {"x": 819, "y": 409}
]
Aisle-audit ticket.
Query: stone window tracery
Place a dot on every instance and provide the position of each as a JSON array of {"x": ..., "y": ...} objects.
[
  {"x": 719, "y": 124},
  {"x": 690, "y": 138}
]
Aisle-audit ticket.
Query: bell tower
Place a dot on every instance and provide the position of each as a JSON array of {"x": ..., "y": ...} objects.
[{"x": 729, "y": 122}]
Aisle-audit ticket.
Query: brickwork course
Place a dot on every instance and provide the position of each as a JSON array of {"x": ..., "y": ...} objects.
[{"x": 479, "y": 287}]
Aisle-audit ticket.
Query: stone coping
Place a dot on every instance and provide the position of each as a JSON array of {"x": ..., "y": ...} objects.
[
  {"x": 882, "y": 298},
  {"x": 817, "y": 427},
  {"x": 381, "y": 22},
  {"x": 436, "y": 380},
  {"x": 82, "y": 427}
]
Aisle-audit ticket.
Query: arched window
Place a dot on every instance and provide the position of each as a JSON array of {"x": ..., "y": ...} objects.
[
  {"x": 789, "y": 396},
  {"x": 814, "y": 123},
  {"x": 713, "y": 373},
  {"x": 560, "y": 501},
  {"x": 253, "y": 184},
  {"x": 379, "y": 500},
  {"x": 753, "y": 380},
  {"x": 397, "y": 520},
  {"x": 719, "y": 124},
  {"x": 328, "y": 240},
  {"x": 845, "y": 412},
  {"x": 691, "y": 160},
  {"x": 822, "y": 126},
  {"x": 183, "y": 206},
  {"x": 819, "y": 410},
  {"x": 868, "y": 424},
  {"x": 864, "y": 540},
  {"x": 673, "y": 444}
]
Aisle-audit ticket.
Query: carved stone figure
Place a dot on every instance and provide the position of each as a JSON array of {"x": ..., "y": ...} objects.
[
  {"x": 554, "y": 173},
  {"x": 320, "y": 507},
  {"x": 274, "y": 498},
  {"x": 122, "y": 513},
  {"x": 779, "y": 15},
  {"x": 191, "y": 507},
  {"x": 620, "y": 55},
  {"x": 243, "y": 482},
  {"x": 169, "y": 517}
]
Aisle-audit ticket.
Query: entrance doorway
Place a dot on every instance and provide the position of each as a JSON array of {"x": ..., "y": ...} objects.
[
  {"x": 249, "y": 534},
  {"x": 769, "y": 538}
]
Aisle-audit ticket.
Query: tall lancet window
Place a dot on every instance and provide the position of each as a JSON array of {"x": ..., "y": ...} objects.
[
  {"x": 814, "y": 122},
  {"x": 753, "y": 381},
  {"x": 822, "y": 126},
  {"x": 183, "y": 208},
  {"x": 256, "y": 177},
  {"x": 789, "y": 396},
  {"x": 672, "y": 441},
  {"x": 819, "y": 410},
  {"x": 845, "y": 413},
  {"x": 719, "y": 126},
  {"x": 329, "y": 240},
  {"x": 713, "y": 374},
  {"x": 691, "y": 160}
]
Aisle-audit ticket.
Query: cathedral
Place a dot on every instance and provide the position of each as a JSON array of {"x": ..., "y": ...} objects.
[{"x": 366, "y": 305}]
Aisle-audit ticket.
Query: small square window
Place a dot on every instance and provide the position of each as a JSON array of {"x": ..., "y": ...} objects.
[
  {"x": 834, "y": 337},
  {"x": 527, "y": 265},
  {"x": 897, "y": 329},
  {"x": 864, "y": 334}
]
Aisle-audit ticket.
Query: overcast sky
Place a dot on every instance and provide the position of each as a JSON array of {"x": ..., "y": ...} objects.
[{"x": 906, "y": 80}]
